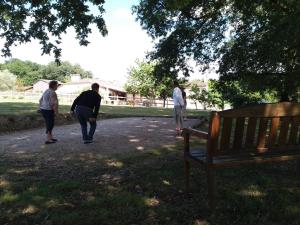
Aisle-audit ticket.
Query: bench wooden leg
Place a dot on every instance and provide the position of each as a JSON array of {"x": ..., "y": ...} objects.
[
  {"x": 211, "y": 187},
  {"x": 187, "y": 175},
  {"x": 298, "y": 167}
]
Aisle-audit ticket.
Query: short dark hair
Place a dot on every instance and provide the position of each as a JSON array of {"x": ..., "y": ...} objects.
[
  {"x": 53, "y": 83},
  {"x": 176, "y": 84},
  {"x": 95, "y": 86}
]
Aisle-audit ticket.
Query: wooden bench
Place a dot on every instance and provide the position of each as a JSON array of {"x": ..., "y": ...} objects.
[{"x": 255, "y": 134}]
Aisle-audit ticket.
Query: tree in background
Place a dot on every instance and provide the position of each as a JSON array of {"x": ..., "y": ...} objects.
[
  {"x": 142, "y": 81},
  {"x": 62, "y": 72},
  {"x": 47, "y": 20},
  {"x": 238, "y": 93},
  {"x": 7, "y": 80},
  {"x": 208, "y": 98},
  {"x": 28, "y": 72},
  {"x": 254, "y": 42}
]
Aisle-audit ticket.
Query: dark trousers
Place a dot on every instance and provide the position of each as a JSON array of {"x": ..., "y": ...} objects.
[
  {"x": 84, "y": 114},
  {"x": 49, "y": 120}
]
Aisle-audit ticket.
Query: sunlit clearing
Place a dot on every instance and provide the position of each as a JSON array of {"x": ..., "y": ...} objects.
[
  {"x": 134, "y": 140},
  {"x": 31, "y": 209},
  {"x": 140, "y": 148},
  {"x": 152, "y": 202}
]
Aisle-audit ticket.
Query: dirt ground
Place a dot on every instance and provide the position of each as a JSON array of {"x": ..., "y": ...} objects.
[{"x": 112, "y": 136}]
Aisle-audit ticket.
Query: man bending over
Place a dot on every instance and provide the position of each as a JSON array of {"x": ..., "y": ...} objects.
[{"x": 86, "y": 107}]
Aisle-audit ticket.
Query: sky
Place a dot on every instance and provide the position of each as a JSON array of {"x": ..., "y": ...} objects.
[{"x": 107, "y": 57}]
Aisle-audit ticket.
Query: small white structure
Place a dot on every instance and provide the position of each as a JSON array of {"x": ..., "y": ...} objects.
[{"x": 41, "y": 85}]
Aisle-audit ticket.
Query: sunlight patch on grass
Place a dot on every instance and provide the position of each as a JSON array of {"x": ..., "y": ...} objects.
[
  {"x": 8, "y": 197},
  {"x": 53, "y": 203},
  {"x": 30, "y": 209},
  {"x": 22, "y": 171},
  {"x": 152, "y": 202},
  {"x": 253, "y": 192},
  {"x": 4, "y": 184},
  {"x": 140, "y": 148},
  {"x": 166, "y": 182},
  {"x": 114, "y": 163}
]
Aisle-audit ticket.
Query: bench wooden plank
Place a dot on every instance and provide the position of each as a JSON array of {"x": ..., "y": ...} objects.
[
  {"x": 213, "y": 134},
  {"x": 279, "y": 143},
  {"x": 226, "y": 132},
  {"x": 273, "y": 131},
  {"x": 261, "y": 139},
  {"x": 239, "y": 134},
  {"x": 293, "y": 140},
  {"x": 284, "y": 127},
  {"x": 251, "y": 129}
]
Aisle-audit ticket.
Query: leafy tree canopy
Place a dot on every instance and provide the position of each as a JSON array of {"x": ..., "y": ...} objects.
[
  {"x": 28, "y": 72},
  {"x": 253, "y": 41},
  {"x": 46, "y": 21}
]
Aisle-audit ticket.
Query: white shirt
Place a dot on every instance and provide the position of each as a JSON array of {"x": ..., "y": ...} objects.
[
  {"x": 177, "y": 97},
  {"x": 48, "y": 100}
]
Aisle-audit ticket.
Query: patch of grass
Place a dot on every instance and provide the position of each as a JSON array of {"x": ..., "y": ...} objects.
[
  {"x": 144, "y": 188},
  {"x": 28, "y": 108}
]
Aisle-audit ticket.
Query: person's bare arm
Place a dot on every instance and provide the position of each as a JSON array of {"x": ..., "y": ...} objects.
[{"x": 54, "y": 102}]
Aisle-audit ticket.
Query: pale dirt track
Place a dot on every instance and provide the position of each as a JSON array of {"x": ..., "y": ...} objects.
[{"x": 112, "y": 136}]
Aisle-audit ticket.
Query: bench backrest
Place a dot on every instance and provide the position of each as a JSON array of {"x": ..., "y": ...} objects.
[{"x": 260, "y": 129}]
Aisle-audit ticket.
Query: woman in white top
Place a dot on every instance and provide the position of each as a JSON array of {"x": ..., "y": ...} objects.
[
  {"x": 49, "y": 108},
  {"x": 178, "y": 105}
]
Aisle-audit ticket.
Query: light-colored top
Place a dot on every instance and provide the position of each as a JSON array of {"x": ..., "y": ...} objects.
[
  {"x": 49, "y": 100},
  {"x": 177, "y": 97}
]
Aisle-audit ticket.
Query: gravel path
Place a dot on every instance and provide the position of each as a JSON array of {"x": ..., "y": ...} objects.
[{"x": 112, "y": 136}]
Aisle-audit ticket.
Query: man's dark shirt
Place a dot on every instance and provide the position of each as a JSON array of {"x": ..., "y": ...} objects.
[{"x": 90, "y": 99}]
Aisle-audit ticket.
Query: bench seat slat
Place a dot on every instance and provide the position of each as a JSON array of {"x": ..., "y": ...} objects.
[{"x": 251, "y": 157}]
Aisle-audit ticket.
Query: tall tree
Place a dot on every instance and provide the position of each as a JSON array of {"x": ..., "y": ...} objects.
[
  {"x": 253, "y": 41},
  {"x": 46, "y": 20},
  {"x": 142, "y": 80}
]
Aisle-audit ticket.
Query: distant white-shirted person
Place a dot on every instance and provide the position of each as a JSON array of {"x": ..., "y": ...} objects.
[
  {"x": 49, "y": 108},
  {"x": 178, "y": 106}
]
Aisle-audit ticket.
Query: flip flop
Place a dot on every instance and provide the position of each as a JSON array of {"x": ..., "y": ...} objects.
[
  {"x": 53, "y": 139},
  {"x": 49, "y": 142}
]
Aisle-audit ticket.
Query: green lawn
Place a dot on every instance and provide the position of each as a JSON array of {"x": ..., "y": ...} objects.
[
  {"x": 27, "y": 108},
  {"x": 144, "y": 189}
]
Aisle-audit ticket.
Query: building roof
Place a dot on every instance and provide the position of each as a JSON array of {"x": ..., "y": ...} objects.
[{"x": 112, "y": 85}]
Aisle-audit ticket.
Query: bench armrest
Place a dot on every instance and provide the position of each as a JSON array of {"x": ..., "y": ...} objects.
[{"x": 197, "y": 133}]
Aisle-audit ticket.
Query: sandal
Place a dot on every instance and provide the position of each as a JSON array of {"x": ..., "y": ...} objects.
[{"x": 53, "y": 139}]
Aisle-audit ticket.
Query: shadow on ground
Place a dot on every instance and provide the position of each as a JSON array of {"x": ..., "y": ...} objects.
[{"x": 141, "y": 188}]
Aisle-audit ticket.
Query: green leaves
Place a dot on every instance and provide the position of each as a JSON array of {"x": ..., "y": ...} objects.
[
  {"x": 47, "y": 20},
  {"x": 142, "y": 80},
  {"x": 28, "y": 72},
  {"x": 256, "y": 42}
]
